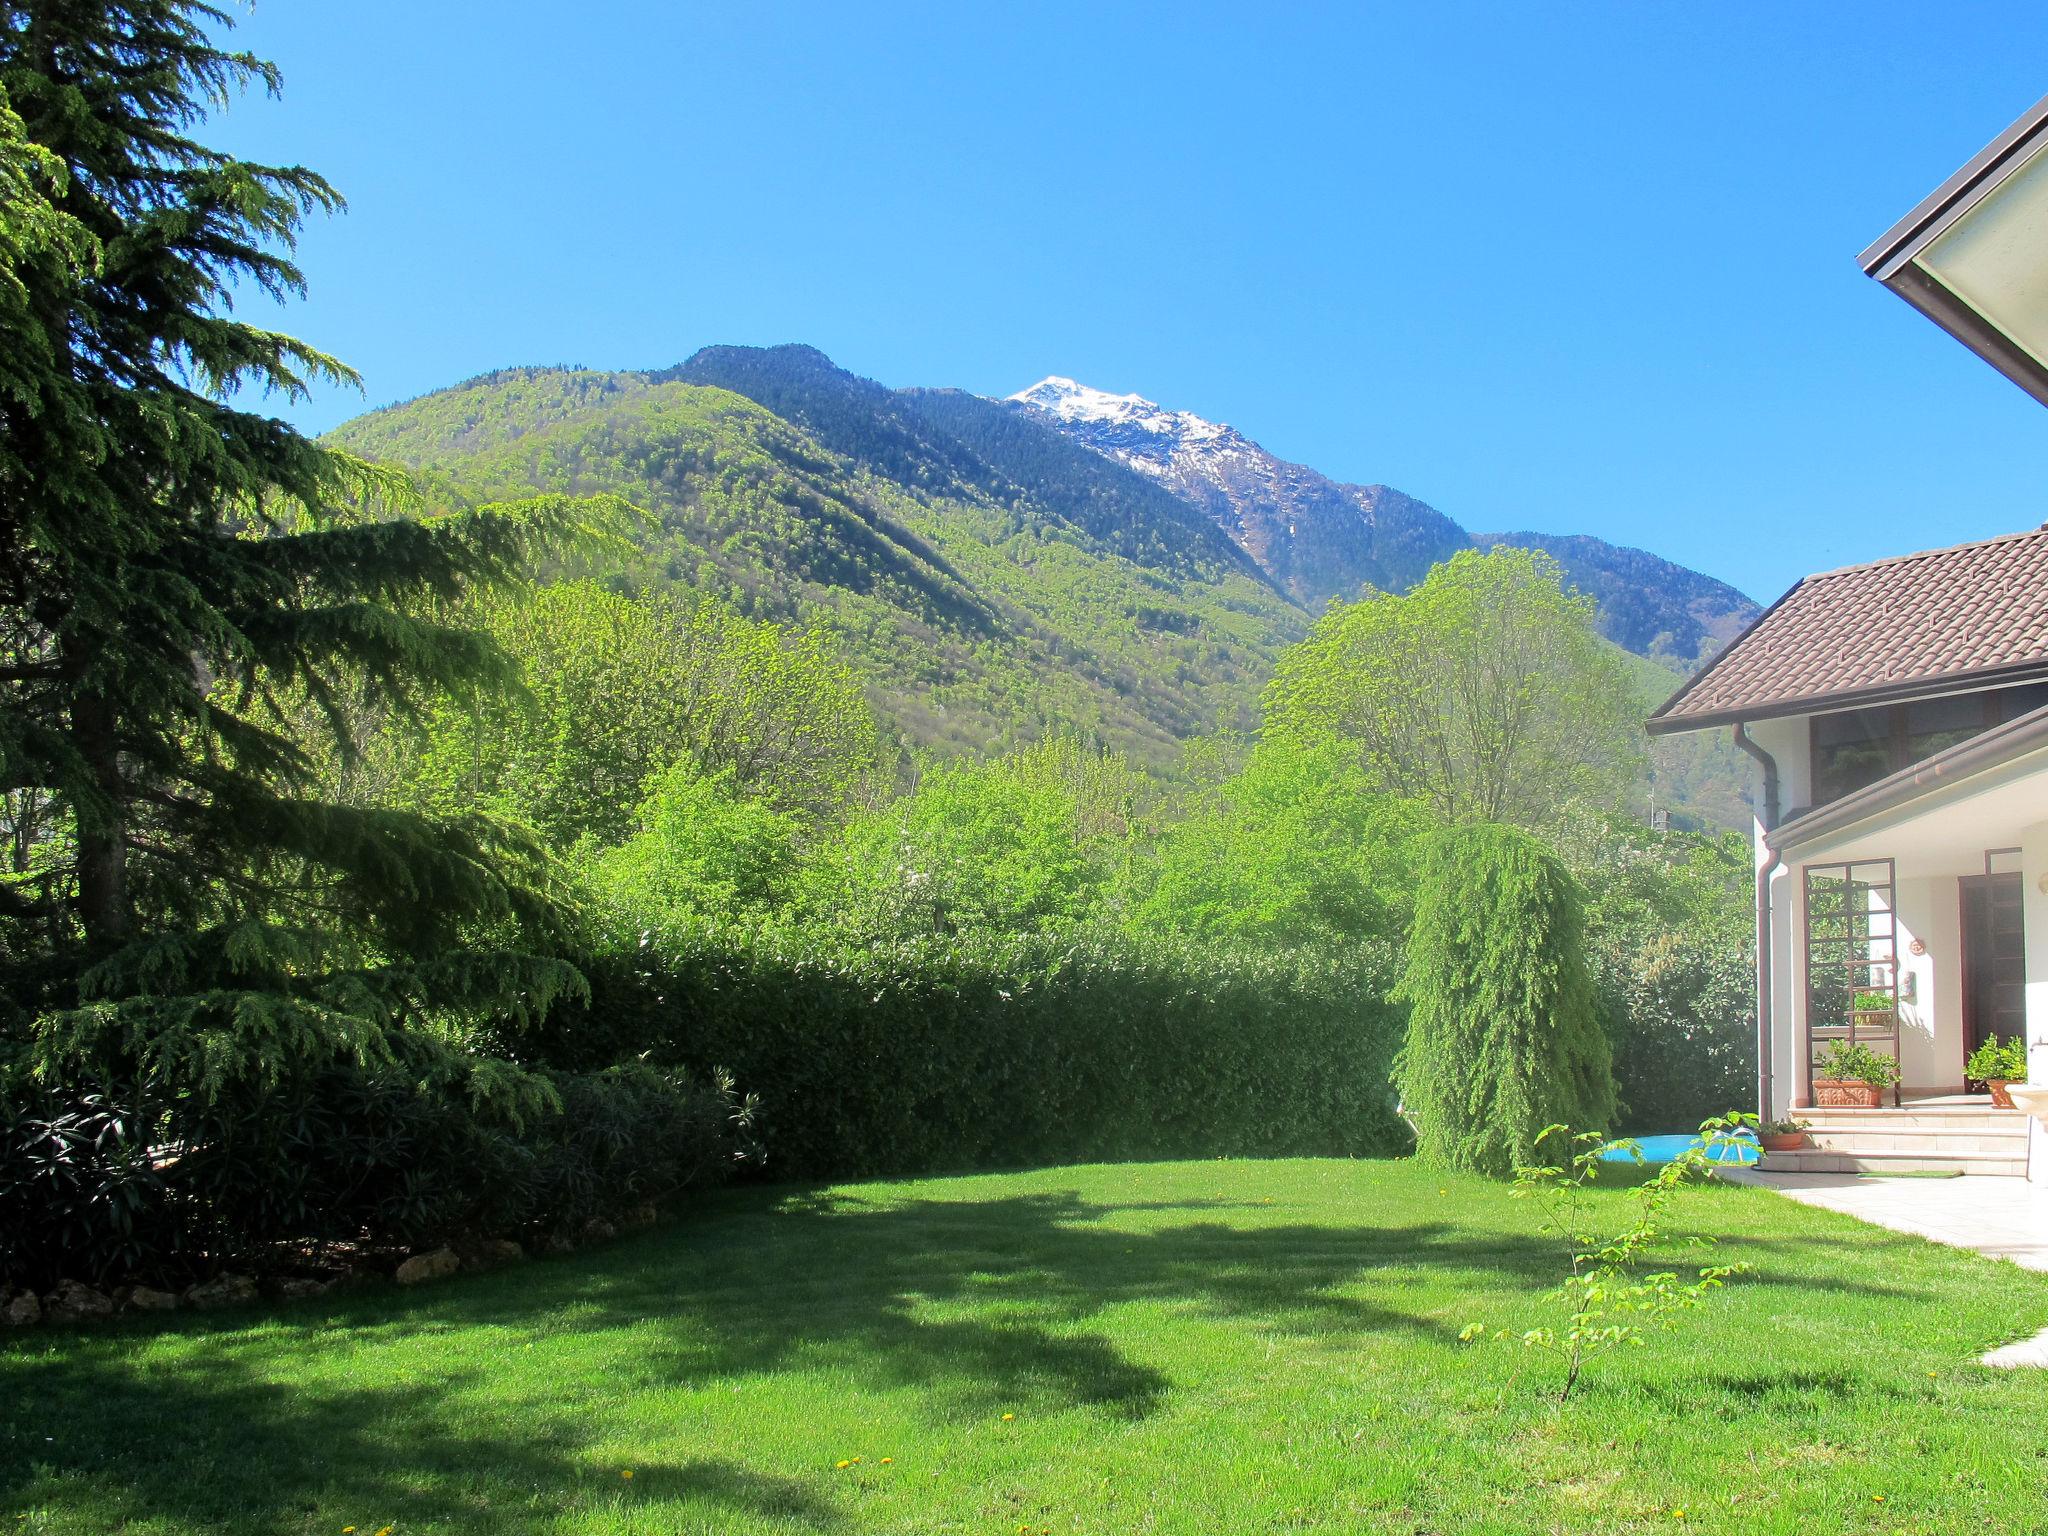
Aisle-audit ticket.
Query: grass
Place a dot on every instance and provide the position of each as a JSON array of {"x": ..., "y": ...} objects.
[{"x": 1186, "y": 1347}]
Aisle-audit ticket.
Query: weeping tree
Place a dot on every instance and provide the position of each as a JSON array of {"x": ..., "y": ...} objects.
[
  {"x": 196, "y": 601},
  {"x": 1504, "y": 1035}
]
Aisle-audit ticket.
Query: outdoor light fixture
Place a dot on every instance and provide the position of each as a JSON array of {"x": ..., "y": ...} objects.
[{"x": 1973, "y": 257}]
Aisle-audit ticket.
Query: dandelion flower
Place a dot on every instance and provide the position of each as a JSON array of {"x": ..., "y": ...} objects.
[
  {"x": 1877, "y": 1498},
  {"x": 888, "y": 1461},
  {"x": 1008, "y": 1417},
  {"x": 842, "y": 1465},
  {"x": 626, "y": 1473}
]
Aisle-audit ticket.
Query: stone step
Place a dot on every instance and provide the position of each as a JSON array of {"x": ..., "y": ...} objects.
[
  {"x": 1817, "y": 1161},
  {"x": 1996, "y": 1143},
  {"x": 1913, "y": 1119}
]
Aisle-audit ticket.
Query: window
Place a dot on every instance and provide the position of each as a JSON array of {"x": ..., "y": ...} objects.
[{"x": 1855, "y": 747}]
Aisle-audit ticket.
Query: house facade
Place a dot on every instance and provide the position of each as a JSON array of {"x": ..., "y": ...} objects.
[{"x": 1898, "y": 716}]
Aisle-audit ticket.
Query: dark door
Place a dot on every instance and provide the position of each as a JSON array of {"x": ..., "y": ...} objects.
[{"x": 1994, "y": 960}]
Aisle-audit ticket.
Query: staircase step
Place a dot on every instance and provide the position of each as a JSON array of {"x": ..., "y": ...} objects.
[
  {"x": 2001, "y": 1142},
  {"x": 1987, "y": 1120},
  {"x": 1818, "y": 1161}
]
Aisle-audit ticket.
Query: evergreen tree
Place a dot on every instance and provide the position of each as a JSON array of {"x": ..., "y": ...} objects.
[
  {"x": 182, "y": 914},
  {"x": 1504, "y": 1034}
]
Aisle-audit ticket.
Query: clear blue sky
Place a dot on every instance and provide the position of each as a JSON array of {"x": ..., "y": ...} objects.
[{"x": 1576, "y": 268}]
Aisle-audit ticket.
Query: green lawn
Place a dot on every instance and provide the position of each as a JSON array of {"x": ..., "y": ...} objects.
[{"x": 1187, "y": 1347}]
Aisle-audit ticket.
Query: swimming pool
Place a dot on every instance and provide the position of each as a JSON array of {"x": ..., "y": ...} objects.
[{"x": 1664, "y": 1149}]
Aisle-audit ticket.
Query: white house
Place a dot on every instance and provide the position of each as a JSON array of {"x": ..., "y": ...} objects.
[{"x": 1898, "y": 715}]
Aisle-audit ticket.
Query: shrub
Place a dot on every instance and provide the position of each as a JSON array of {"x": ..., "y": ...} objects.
[
  {"x": 1504, "y": 1034},
  {"x": 1998, "y": 1060},
  {"x": 1680, "y": 1009},
  {"x": 100, "y": 1186},
  {"x": 1851, "y": 1061},
  {"x": 999, "y": 1050}
]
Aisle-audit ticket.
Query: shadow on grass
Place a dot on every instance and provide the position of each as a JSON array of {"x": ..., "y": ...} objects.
[{"x": 249, "y": 1423}]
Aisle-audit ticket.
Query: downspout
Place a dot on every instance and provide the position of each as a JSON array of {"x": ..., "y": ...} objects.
[{"x": 1764, "y": 871}]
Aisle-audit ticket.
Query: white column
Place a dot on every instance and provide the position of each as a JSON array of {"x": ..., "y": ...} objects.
[{"x": 2034, "y": 908}]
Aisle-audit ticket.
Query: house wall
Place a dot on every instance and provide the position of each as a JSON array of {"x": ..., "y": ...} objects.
[
  {"x": 2033, "y": 843},
  {"x": 1786, "y": 741}
]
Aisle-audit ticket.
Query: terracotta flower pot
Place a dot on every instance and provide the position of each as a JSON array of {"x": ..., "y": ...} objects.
[
  {"x": 1846, "y": 1093},
  {"x": 1782, "y": 1141},
  {"x": 2000, "y": 1099}
]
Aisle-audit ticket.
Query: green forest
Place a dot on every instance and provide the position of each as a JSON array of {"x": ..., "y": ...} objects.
[{"x": 572, "y": 789}]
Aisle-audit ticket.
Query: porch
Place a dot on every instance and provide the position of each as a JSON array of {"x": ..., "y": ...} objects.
[{"x": 1917, "y": 931}]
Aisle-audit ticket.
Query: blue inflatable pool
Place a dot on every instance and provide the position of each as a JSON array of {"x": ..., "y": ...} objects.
[{"x": 1664, "y": 1149}]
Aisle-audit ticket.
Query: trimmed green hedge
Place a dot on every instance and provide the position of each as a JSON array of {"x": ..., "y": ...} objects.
[{"x": 979, "y": 1051}]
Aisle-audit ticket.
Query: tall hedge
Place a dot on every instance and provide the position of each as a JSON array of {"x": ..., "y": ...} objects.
[
  {"x": 994, "y": 1051},
  {"x": 1504, "y": 1033}
]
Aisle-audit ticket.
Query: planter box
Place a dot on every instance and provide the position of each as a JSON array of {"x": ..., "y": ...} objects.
[
  {"x": 1843, "y": 1093},
  {"x": 1782, "y": 1141}
]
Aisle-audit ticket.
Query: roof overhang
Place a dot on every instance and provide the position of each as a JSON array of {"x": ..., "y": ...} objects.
[
  {"x": 1660, "y": 724},
  {"x": 1970, "y": 256},
  {"x": 1963, "y": 768}
]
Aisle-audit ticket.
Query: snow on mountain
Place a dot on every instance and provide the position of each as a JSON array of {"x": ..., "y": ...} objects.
[{"x": 1319, "y": 538}]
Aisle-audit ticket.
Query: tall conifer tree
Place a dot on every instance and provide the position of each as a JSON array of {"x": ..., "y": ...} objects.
[{"x": 181, "y": 575}]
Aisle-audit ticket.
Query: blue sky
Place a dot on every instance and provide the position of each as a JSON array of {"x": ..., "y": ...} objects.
[{"x": 1575, "y": 268}]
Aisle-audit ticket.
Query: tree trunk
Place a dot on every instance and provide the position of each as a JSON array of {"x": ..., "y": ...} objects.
[{"x": 104, "y": 906}]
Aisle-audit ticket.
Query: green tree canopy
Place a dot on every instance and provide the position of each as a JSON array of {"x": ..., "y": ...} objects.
[
  {"x": 1297, "y": 847},
  {"x": 1504, "y": 1033},
  {"x": 617, "y": 688},
  {"x": 177, "y": 574},
  {"x": 1019, "y": 844},
  {"x": 1486, "y": 692}
]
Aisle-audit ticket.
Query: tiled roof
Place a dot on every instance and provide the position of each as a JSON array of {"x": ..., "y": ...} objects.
[{"x": 1890, "y": 628}]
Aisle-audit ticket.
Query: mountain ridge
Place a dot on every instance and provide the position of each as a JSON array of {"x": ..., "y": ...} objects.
[{"x": 1321, "y": 538}]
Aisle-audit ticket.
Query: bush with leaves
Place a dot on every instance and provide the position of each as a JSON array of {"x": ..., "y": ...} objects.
[
  {"x": 995, "y": 1050},
  {"x": 1294, "y": 848},
  {"x": 93, "y": 1190},
  {"x": 1504, "y": 1034}
]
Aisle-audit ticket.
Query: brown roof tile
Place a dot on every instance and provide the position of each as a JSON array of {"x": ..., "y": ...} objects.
[{"x": 1869, "y": 631}]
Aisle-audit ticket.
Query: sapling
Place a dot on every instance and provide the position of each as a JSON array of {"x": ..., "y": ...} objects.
[{"x": 1609, "y": 1303}]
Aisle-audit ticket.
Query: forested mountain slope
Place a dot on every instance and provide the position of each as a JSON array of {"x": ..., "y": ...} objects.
[
  {"x": 993, "y": 576},
  {"x": 984, "y": 613}
]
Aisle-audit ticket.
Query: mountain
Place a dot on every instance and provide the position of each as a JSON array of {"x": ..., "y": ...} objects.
[
  {"x": 1319, "y": 538},
  {"x": 993, "y": 579},
  {"x": 993, "y": 574}
]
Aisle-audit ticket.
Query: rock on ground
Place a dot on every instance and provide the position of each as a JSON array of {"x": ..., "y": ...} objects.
[
  {"x": 22, "y": 1310},
  {"x": 221, "y": 1291},
  {"x": 74, "y": 1302},
  {"x": 422, "y": 1267}
]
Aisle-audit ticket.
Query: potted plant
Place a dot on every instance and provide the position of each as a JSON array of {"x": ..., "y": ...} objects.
[
  {"x": 1996, "y": 1064},
  {"x": 1871, "y": 1003},
  {"x": 1781, "y": 1135},
  {"x": 1850, "y": 1075}
]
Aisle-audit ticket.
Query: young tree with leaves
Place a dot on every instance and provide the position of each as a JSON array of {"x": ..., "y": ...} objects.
[
  {"x": 1504, "y": 1035},
  {"x": 1486, "y": 692},
  {"x": 178, "y": 572}
]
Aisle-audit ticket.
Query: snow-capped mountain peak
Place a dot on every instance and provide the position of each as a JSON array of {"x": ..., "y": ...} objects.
[{"x": 1074, "y": 404}]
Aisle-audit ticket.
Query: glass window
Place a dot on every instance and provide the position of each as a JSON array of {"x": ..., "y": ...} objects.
[
  {"x": 1850, "y": 749},
  {"x": 2011, "y": 703},
  {"x": 1933, "y": 725}
]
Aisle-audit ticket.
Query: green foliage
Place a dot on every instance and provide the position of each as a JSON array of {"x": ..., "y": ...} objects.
[
  {"x": 617, "y": 689},
  {"x": 1485, "y": 693},
  {"x": 1671, "y": 941},
  {"x": 1294, "y": 848},
  {"x": 1874, "y": 1001},
  {"x": 1998, "y": 1060},
  {"x": 702, "y": 851},
  {"x": 340, "y": 1154},
  {"x": 1609, "y": 1302},
  {"x": 1851, "y": 1061},
  {"x": 1504, "y": 1036},
  {"x": 1022, "y": 844},
  {"x": 990, "y": 1050}
]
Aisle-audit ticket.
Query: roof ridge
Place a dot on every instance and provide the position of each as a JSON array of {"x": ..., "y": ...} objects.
[{"x": 1922, "y": 554}]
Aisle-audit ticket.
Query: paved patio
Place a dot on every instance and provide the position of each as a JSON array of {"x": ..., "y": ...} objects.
[{"x": 2002, "y": 1218}]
